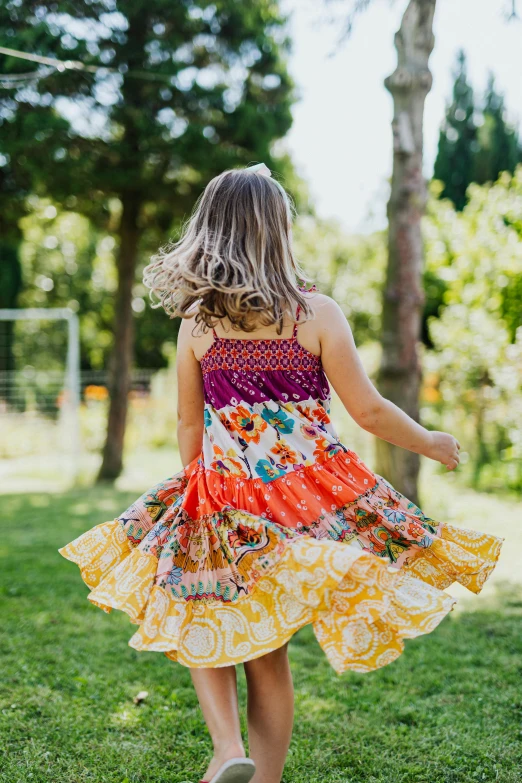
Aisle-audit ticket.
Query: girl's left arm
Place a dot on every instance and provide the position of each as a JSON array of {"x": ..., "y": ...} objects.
[{"x": 190, "y": 396}]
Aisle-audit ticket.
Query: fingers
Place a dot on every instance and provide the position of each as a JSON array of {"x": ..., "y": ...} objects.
[
  {"x": 455, "y": 457},
  {"x": 454, "y": 461}
]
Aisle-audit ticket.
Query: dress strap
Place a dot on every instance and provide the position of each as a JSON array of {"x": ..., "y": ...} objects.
[
  {"x": 304, "y": 290},
  {"x": 296, "y": 324}
]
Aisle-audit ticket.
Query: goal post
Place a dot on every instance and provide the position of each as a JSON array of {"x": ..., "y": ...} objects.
[{"x": 71, "y": 380}]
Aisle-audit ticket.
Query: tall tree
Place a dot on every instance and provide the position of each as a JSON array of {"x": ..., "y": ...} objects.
[
  {"x": 472, "y": 150},
  {"x": 458, "y": 139},
  {"x": 498, "y": 146},
  {"x": 184, "y": 90},
  {"x": 403, "y": 299},
  {"x": 400, "y": 372}
]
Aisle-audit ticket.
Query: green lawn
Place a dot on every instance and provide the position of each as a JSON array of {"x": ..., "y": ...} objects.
[{"x": 448, "y": 711}]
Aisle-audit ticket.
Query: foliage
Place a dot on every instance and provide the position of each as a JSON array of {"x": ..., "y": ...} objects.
[
  {"x": 474, "y": 146},
  {"x": 350, "y": 268},
  {"x": 180, "y": 94},
  {"x": 474, "y": 373},
  {"x": 68, "y": 262},
  {"x": 498, "y": 144},
  {"x": 457, "y": 139},
  {"x": 448, "y": 711}
]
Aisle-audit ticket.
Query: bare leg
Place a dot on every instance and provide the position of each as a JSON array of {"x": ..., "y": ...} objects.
[
  {"x": 270, "y": 713},
  {"x": 217, "y": 694}
]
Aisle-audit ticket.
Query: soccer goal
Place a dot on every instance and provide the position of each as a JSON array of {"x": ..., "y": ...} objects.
[{"x": 39, "y": 395}]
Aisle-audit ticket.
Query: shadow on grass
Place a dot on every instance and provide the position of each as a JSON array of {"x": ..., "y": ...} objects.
[{"x": 448, "y": 711}]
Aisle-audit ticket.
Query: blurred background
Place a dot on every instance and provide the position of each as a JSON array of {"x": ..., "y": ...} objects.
[
  {"x": 403, "y": 153},
  {"x": 113, "y": 118}
]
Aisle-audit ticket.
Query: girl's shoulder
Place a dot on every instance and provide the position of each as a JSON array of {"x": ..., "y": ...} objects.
[{"x": 321, "y": 304}]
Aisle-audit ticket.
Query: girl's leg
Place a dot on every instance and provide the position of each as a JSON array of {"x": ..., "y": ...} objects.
[
  {"x": 217, "y": 693},
  {"x": 270, "y": 713}
]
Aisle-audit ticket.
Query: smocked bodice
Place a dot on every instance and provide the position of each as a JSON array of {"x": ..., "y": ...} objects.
[{"x": 281, "y": 370}]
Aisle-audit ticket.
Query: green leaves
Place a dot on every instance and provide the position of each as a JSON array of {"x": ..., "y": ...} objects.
[{"x": 475, "y": 369}]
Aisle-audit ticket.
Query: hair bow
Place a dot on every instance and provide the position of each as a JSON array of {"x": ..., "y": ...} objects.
[{"x": 260, "y": 168}]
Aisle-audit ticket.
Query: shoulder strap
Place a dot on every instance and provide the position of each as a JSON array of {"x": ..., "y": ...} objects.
[
  {"x": 296, "y": 324},
  {"x": 305, "y": 289}
]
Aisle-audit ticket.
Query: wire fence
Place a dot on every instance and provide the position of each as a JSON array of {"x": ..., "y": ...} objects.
[
  {"x": 36, "y": 421},
  {"x": 53, "y": 417}
]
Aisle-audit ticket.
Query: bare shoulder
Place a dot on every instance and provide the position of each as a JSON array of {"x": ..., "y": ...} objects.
[
  {"x": 186, "y": 328},
  {"x": 327, "y": 312},
  {"x": 311, "y": 330},
  {"x": 193, "y": 336}
]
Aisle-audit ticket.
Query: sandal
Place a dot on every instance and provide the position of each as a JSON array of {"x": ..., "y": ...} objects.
[{"x": 234, "y": 771}]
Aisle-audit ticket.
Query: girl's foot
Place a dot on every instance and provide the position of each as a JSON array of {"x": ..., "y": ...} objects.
[
  {"x": 235, "y": 770},
  {"x": 221, "y": 756}
]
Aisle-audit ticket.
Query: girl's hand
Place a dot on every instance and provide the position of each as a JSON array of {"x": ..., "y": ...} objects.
[{"x": 444, "y": 448}]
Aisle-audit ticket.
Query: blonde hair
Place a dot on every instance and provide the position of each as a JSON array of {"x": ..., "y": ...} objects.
[{"x": 234, "y": 258}]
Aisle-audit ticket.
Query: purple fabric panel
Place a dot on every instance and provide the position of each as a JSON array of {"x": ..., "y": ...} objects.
[{"x": 223, "y": 386}]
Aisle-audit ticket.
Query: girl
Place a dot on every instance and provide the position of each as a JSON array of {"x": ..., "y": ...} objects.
[{"x": 273, "y": 523}]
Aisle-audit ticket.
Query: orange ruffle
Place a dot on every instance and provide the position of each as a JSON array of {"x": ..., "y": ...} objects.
[{"x": 301, "y": 495}]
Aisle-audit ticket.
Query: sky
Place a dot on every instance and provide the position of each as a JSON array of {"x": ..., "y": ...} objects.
[{"x": 341, "y": 136}]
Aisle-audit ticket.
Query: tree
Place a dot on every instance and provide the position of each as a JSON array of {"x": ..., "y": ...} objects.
[
  {"x": 400, "y": 373},
  {"x": 498, "y": 147},
  {"x": 458, "y": 144},
  {"x": 474, "y": 146},
  {"x": 179, "y": 92},
  {"x": 403, "y": 299}
]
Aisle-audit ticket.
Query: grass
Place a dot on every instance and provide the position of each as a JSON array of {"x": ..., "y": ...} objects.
[{"x": 448, "y": 711}]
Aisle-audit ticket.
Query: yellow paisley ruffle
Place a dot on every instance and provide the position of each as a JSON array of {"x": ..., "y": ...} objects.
[
  {"x": 360, "y": 608},
  {"x": 459, "y": 555}
]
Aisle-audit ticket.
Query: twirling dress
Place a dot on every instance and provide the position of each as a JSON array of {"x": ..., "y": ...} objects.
[{"x": 275, "y": 525}]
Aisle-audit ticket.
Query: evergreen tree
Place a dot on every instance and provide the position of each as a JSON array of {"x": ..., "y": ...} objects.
[
  {"x": 498, "y": 145},
  {"x": 185, "y": 90},
  {"x": 471, "y": 151},
  {"x": 458, "y": 139}
]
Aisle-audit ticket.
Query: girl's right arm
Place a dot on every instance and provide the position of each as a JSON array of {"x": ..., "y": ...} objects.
[{"x": 361, "y": 399}]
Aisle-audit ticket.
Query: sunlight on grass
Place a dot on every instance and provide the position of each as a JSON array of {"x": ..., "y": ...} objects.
[
  {"x": 39, "y": 501},
  {"x": 80, "y": 509},
  {"x": 126, "y": 715}
]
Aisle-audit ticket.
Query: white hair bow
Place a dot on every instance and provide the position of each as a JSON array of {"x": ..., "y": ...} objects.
[{"x": 260, "y": 168}]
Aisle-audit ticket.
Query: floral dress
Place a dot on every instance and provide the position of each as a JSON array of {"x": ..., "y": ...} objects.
[{"x": 277, "y": 524}]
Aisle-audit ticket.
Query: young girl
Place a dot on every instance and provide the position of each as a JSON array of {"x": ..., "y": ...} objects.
[{"x": 273, "y": 523}]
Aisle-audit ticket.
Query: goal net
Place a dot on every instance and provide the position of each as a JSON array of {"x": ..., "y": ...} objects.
[{"x": 39, "y": 397}]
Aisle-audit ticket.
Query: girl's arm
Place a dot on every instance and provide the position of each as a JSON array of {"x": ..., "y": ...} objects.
[
  {"x": 361, "y": 399},
  {"x": 190, "y": 396}
]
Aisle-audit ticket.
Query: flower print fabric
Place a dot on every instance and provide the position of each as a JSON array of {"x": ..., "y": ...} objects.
[{"x": 275, "y": 525}]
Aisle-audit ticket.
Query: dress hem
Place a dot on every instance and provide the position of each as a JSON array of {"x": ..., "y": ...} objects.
[{"x": 174, "y": 627}]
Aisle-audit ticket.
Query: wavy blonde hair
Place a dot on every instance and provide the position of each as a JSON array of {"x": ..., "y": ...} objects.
[{"x": 234, "y": 258}]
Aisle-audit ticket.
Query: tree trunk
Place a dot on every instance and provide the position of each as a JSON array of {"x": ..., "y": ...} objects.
[
  {"x": 400, "y": 373},
  {"x": 122, "y": 352}
]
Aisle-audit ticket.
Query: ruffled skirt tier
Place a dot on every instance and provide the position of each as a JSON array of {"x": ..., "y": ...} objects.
[{"x": 216, "y": 572}]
